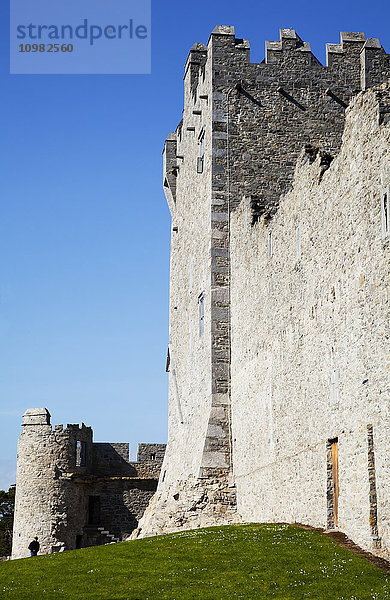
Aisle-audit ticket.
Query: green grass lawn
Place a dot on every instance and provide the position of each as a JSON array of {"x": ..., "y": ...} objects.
[{"x": 238, "y": 561}]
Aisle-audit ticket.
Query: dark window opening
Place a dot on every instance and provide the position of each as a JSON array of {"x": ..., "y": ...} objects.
[
  {"x": 94, "y": 510},
  {"x": 153, "y": 456},
  {"x": 201, "y": 314},
  {"x": 385, "y": 213},
  {"x": 200, "y": 163}
]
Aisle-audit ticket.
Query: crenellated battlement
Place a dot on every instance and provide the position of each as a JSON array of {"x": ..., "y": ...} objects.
[
  {"x": 288, "y": 100},
  {"x": 34, "y": 418},
  {"x": 75, "y": 427},
  {"x": 375, "y": 64},
  {"x": 290, "y": 44},
  {"x": 351, "y": 44},
  {"x": 345, "y": 54}
]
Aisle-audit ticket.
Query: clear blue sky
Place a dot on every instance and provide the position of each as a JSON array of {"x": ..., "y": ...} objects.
[{"x": 84, "y": 227}]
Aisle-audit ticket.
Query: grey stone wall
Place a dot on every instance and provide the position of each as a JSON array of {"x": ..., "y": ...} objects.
[
  {"x": 257, "y": 119},
  {"x": 310, "y": 341},
  {"x": 276, "y": 107},
  {"x": 112, "y": 459},
  {"x": 153, "y": 453},
  {"x": 122, "y": 504}
]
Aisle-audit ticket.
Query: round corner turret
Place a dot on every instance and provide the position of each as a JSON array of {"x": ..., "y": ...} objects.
[{"x": 36, "y": 416}]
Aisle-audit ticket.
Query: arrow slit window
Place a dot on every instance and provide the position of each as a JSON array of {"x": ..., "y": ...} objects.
[
  {"x": 200, "y": 163},
  {"x": 385, "y": 212},
  {"x": 201, "y": 314}
]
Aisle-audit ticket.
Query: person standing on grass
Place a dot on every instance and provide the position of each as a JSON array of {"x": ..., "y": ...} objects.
[{"x": 34, "y": 547}]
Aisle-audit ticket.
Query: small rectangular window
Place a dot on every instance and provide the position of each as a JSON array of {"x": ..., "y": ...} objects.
[
  {"x": 200, "y": 163},
  {"x": 385, "y": 212},
  {"x": 201, "y": 314}
]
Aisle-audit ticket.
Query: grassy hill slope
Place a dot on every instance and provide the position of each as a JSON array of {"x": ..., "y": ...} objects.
[{"x": 222, "y": 563}]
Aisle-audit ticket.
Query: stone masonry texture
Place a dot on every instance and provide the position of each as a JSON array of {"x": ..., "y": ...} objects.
[
  {"x": 310, "y": 341},
  {"x": 279, "y": 304},
  {"x": 72, "y": 492}
]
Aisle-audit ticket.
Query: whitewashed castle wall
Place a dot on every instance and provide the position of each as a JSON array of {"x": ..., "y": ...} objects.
[
  {"x": 188, "y": 194},
  {"x": 265, "y": 358},
  {"x": 190, "y": 356},
  {"x": 303, "y": 326}
]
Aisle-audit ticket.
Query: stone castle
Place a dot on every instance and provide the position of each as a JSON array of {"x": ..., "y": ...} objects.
[
  {"x": 278, "y": 183},
  {"x": 73, "y": 492}
]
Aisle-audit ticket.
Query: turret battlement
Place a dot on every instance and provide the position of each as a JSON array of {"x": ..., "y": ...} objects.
[
  {"x": 354, "y": 55},
  {"x": 351, "y": 44},
  {"x": 288, "y": 100},
  {"x": 289, "y": 44},
  {"x": 36, "y": 416}
]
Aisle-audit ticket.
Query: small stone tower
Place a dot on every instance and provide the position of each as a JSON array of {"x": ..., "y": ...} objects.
[
  {"x": 47, "y": 505},
  {"x": 72, "y": 492}
]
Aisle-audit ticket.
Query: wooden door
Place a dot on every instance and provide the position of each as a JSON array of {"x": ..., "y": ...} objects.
[{"x": 335, "y": 482}]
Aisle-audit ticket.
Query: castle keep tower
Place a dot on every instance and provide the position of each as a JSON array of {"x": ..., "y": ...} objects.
[
  {"x": 228, "y": 171},
  {"x": 72, "y": 492}
]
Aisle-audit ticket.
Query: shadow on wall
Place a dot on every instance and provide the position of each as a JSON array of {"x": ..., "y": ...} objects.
[{"x": 112, "y": 460}]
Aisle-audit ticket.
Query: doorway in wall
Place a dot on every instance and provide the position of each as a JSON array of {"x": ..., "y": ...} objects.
[
  {"x": 332, "y": 456},
  {"x": 94, "y": 510}
]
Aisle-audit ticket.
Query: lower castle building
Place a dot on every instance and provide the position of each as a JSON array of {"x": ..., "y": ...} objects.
[
  {"x": 278, "y": 184},
  {"x": 72, "y": 492}
]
